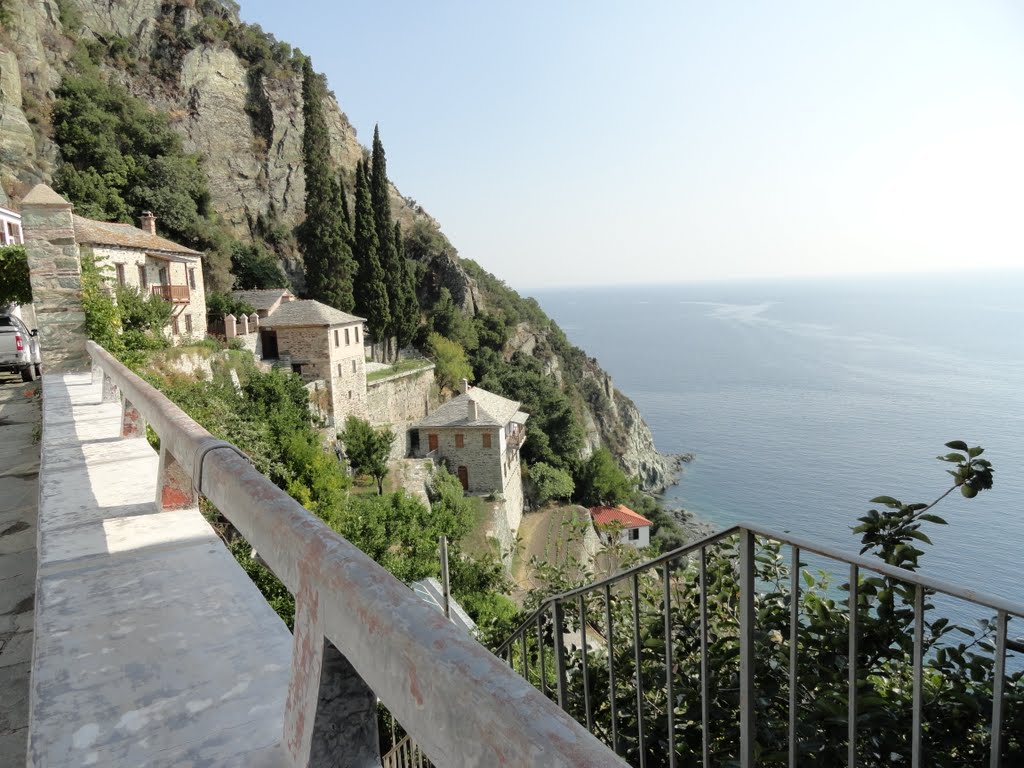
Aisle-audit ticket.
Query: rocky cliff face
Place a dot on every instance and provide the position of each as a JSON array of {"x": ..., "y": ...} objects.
[{"x": 247, "y": 125}]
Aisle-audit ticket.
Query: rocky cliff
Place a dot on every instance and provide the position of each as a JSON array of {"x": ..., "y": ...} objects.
[{"x": 230, "y": 91}]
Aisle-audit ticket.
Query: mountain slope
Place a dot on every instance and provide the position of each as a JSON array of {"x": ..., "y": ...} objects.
[{"x": 234, "y": 95}]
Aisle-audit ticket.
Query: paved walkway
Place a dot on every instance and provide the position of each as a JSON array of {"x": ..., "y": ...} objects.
[
  {"x": 19, "y": 492},
  {"x": 152, "y": 646}
]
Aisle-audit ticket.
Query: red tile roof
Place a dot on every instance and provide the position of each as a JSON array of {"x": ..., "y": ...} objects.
[{"x": 621, "y": 514}]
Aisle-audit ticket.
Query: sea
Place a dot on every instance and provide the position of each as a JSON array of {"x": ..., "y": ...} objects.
[{"x": 802, "y": 400}]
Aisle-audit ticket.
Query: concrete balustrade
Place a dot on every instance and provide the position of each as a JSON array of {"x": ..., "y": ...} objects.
[{"x": 360, "y": 635}]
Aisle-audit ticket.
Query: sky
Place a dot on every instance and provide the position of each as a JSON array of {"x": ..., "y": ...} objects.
[{"x": 599, "y": 143}]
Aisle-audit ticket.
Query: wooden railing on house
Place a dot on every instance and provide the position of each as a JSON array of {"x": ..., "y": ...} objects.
[{"x": 176, "y": 294}]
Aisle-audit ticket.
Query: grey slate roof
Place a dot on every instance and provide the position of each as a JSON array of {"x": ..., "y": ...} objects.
[
  {"x": 90, "y": 232},
  {"x": 264, "y": 299},
  {"x": 308, "y": 312},
  {"x": 492, "y": 411}
]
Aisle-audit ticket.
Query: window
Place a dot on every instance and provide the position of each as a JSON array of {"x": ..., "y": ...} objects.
[
  {"x": 350, "y": 394},
  {"x": 174, "y": 326},
  {"x": 339, "y": 365},
  {"x": 431, "y": 442},
  {"x": 353, "y": 366},
  {"x": 357, "y": 334},
  {"x": 162, "y": 273},
  {"x": 634, "y": 534},
  {"x": 297, "y": 368},
  {"x": 188, "y": 324},
  {"x": 487, "y": 439},
  {"x": 458, "y": 440},
  {"x": 337, "y": 343},
  {"x": 191, "y": 278},
  {"x": 120, "y": 273},
  {"x": 346, "y": 337},
  {"x": 143, "y": 282}
]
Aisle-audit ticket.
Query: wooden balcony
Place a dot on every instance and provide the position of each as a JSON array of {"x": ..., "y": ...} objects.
[{"x": 176, "y": 294}]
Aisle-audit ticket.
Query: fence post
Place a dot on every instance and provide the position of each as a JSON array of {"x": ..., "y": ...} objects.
[
  {"x": 173, "y": 484},
  {"x": 747, "y": 566},
  {"x": 132, "y": 423},
  {"x": 331, "y": 714}
]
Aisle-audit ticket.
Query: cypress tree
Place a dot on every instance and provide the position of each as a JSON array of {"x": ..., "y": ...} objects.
[
  {"x": 389, "y": 260},
  {"x": 346, "y": 214},
  {"x": 408, "y": 313},
  {"x": 328, "y": 258},
  {"x": 370, "y": 288}
]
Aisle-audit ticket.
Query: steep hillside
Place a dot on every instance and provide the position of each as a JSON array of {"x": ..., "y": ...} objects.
[{"x": 234, "y": 95}]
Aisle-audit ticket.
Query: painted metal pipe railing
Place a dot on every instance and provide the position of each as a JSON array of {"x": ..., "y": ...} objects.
[
  {"x": 537, "y": 649},
  {"x": 459, "y": 702}
]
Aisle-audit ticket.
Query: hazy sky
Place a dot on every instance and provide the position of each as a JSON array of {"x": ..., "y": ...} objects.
[{"x": 568, "y": 143}]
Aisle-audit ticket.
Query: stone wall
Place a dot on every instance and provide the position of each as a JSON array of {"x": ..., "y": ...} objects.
[
  {"x": 400, "y": 399},
  {"x": 513, "y": 494},
  {"x": 55, "y": 270}
]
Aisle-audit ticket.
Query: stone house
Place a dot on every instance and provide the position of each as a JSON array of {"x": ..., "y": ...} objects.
[
  {"x": 479, "y": 434},
  {"x": 321, "y": 343},
  {"x": 634, "y": 529},
  {"x": 265, "y": 301},
  {"x": 139, "y": 258}
]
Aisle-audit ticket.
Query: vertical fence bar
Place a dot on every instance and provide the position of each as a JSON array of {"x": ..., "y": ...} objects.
[
  {"x": 610, "y": 643},
  {"x": 747, "y": 566},
  {"x": 851, "y": 753},
  {"x": 998, "y": 682},
  {"x": 559, "y": 638},
  {"x": 586, "y": 672},
  {"x": 522, "y": 647},
  {"x": 540, "y": 656},
  {"x": 915, "y": 744},
  {"x": 637, "y": 648},
  {"x": 670, "y": 698},
  {"x": 705, "y": 683},
  {"x": 794, "y": 637}
]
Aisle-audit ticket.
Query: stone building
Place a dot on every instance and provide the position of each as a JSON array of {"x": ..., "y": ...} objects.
[
  {"x": 10, "y": 227},
  {"x": 479, "y": 434},
  {"x": 139, "y": 258},
  {"x": 266, "y": 300},
  {"x": 321, "y": 343}
]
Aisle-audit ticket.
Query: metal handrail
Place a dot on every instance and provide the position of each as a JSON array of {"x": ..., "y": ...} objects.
[
  {"x": 550, "y": 614},
  {"x": 412, "y": 658}
]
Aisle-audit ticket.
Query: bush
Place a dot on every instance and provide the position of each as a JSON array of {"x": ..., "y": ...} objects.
[
  {"x": 601, "y": 482},
  {"x": 548, "y": 483},
  {"x": 15, "y": 286},
  {"x": 450, "y": 360}
]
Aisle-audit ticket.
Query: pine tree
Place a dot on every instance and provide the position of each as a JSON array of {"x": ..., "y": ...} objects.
[
  {"x": 371, "y": 283},
  {"x": 328, "y": 258},
  {"x": 408, "y": 312},
  {"x": 389, "y": 260}
]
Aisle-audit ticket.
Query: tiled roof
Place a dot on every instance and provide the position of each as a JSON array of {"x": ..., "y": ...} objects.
[
  {"x": 307, "y": 312},
  {"x": 492, "y": 411},
  {"x": 264, "y": 299},
  {"x": 620, "y": 514},
  {"x": 89, "y": 232}
]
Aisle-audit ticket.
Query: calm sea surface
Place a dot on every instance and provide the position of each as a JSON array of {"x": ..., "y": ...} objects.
[{"x": 803, "y": 400}]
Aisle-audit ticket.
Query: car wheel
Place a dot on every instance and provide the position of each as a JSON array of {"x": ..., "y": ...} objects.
[{"x": 28, "y": 373}]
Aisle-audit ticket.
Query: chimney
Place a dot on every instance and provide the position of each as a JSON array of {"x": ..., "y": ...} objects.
[
  {"x": 474, "y": 412},
  {"x": 465, "y": 386},
  {"x": 147, "y": 222}
]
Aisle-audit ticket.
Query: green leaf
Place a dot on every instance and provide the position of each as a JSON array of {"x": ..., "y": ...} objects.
[
  {"x": 975, "y": 452},
  {"x": 919, "y": 536},
  {"x": 889, "y": 501},
  {"x": 933, "y": 519},
  {"x": 957, "y": 445}
]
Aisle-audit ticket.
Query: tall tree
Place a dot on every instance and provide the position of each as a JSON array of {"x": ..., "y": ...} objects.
[
  {"x": 407, "y": 316},
  {"x": 370, "y": 289},
  {"x": 389, "y": 255},
  {"x": 328, "y": 257},
  {"x": 346, "y": 213}
]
